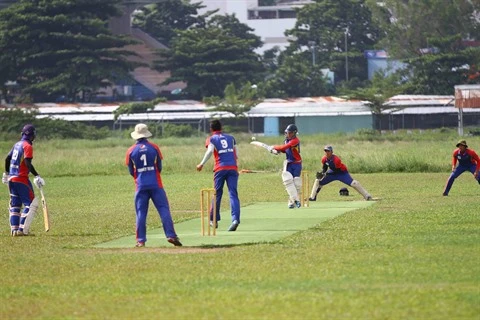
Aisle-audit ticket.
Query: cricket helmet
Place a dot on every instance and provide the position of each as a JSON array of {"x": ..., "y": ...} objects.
[
  {"x": 343, "y": 192},
  {"x": 29, "y": 132},
  {"x": 291, "y": 128}
]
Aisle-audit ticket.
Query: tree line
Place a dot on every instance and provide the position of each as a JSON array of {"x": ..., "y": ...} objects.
[{"x": 65, "y": 48}]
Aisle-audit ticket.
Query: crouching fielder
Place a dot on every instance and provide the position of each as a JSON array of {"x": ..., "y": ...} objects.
[
  {"x": 18, "y": 165},
  {"x": 335, "y": 170}
]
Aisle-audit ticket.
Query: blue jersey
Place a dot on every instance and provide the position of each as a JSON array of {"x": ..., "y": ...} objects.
[
  {"x": 144, "y": 161},
  {"x": 224, "y": 153},
  {"x": 18, "y": 169}
]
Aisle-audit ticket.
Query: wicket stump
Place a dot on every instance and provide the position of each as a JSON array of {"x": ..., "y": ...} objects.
[
  {"x": 208, "y": 203},
  {"x": 305, "y": 189}
]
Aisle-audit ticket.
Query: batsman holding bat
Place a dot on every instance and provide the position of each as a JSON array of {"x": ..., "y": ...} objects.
[
  {"x": 18, "y": 165},
  {"x": 334, "y": 170},
  {"x": 292, "y": 169}
]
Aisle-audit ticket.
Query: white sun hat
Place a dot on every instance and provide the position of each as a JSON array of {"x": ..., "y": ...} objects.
[{"x": 141, "y": 131}]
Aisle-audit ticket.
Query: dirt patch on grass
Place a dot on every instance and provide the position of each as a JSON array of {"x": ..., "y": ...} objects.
[{"x": 173, "y": 250}]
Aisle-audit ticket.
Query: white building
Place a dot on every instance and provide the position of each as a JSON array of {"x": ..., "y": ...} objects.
[{"x": 268, "y": 22}]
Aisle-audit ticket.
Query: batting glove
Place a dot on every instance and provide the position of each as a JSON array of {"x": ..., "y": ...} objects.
[
  {"x": 39, "y": 182},
  {"x": 5, "y": 178},
  {"x": 272, "y": 150}
]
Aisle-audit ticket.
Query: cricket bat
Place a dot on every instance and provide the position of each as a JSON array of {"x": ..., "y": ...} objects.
[
  {"x": 263, "y": 145},
  {"x": 46, "y": 218}
]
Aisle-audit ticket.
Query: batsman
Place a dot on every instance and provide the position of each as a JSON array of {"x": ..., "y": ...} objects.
[
  {"x": 18, "y": 165},
  {"x": 334, "y": 170},
  {"x": 292, "y": 168}
]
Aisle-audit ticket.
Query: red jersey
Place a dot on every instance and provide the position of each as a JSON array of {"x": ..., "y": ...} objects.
[
  {"x": 334, "y": 163},
  {"x": 291, "y": 148},
  {"x": 467, "y": 158}
]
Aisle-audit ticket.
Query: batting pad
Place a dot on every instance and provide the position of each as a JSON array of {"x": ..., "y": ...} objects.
[{"x": 260, "y": 223}]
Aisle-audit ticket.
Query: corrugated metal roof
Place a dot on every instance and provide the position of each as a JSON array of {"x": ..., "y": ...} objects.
[
  {"x": 160, "y": 116},
  {"x": 428, "y": 110},
  {"x": 314, "y": 106},
  {"x": 420, "y": 100},
  {"x": 295, "y": 107}
]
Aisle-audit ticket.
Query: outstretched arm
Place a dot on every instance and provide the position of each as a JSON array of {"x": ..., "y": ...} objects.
[{"x": 207, "y": 156}]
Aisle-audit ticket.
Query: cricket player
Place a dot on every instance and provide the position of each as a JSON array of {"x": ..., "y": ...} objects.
[
  {"x": 144, "y": 161},
  {"x": 334, "y": 170},
  {"x": 292, "y": 169},
  {"x": 18, "y": 165},
  {"x": 224, "y": 149},
  {"x": 467, "y": 160}
]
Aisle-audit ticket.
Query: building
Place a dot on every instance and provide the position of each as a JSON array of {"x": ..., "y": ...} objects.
[
  {"x": 312, "y": 115},
  {"x": 424, "y": 112},
  {"x": 268, "y": 22}
]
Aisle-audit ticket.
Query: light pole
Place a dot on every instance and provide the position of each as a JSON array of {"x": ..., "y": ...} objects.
[
  {"x": 346, "y": 54},
  {"x": 312, "y": 45}
]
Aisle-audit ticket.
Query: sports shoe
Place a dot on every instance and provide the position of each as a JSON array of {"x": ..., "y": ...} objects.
[
  {"x": 291, "y": 206},
  {"x": 298, "y": 204},
  {"x": 369, "y": 198},
  {"x": 234, "y": 225},
  {"x": 175, "y": 241},
  {"x": 18, "y": 233},
  {"x": 140, "y": 244},
  {"x": 312, "y": 199},
  {"x": 216, "y": 224}
]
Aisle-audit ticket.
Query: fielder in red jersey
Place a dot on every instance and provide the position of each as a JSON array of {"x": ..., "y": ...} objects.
[
  {"x": 467, "y": 160},
  {"x": 333, "y": 169}
]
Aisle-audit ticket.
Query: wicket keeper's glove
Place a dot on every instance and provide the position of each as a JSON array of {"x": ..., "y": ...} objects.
[
  {"x": 5, "y": 178},
  {"x": 320, "y": 175},
  {"x": 39, "y": 182}
]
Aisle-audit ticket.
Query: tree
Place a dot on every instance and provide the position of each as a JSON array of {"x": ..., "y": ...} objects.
[
  {"x": 381, "y": 88},
  {"x": 325, "y": 25},
  {"x": 236, "y": 102},
  {"x": 440, "y": 69},
  {"x": 161, "y": 20},
  {"x": 61, "y": 47},
  {"x": 410, "y": 23},
  {"x": 296, "y": 77},
  {"x": 136, "y": 107},
  {"x": 207, "y": 58}
]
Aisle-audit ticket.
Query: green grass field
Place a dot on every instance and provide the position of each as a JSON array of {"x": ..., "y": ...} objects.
[{"x": 412, "y": 255}]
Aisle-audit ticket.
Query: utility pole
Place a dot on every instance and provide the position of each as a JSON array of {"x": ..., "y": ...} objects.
[
  {"x": 346, "y": 54},
  {"x": 312, "y": 45}
]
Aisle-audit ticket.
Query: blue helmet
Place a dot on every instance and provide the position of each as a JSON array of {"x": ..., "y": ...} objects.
[
  {"x": 29, "y": 132},
  {"x": 291, "y": 128}
]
